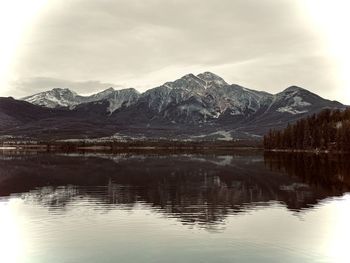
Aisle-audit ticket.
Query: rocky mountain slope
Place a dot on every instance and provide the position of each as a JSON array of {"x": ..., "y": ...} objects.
[{"x": 203, "y": 106}]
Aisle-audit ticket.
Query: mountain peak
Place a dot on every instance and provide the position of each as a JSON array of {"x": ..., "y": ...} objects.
[
  {"x": 61, "y": 92},
  {"x": 62, "y": 89},
  {"x": 293, "y": 88},
  {"x": 109, "y": 90},
  {"x": 105, "y": 92},
  {"x": 211, "y": 77},
  {"x": 189, "y": 76},
  {"x": 131, "y": 90}
]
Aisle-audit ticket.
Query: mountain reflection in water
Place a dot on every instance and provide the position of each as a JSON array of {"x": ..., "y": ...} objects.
[{"x": 195, "y": 188}]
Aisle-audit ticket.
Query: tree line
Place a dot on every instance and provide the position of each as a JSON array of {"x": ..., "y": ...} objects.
[{"x": 327, "y": 130}]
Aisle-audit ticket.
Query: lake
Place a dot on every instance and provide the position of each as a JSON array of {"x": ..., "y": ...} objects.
[{"x": 240, "y": 206}]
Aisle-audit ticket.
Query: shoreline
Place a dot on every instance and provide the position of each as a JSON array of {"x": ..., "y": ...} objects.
[
  {"x": 125, "y": 145},
  {"x": 315, "y": 151},
  {"x": 147, "y": 147}
]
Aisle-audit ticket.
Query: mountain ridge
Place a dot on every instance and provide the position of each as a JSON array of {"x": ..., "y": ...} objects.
[{"x": 191, "y": 106}]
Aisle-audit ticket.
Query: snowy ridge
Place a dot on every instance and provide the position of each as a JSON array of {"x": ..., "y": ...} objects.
[
  {"x": 54, "y": 98},
  {"x": 194, "y": 107},
  {"x": 201, "y": 98},
  {"x": 66, "y": 98}
]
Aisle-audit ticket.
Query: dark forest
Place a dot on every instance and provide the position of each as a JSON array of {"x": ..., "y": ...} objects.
[{"x": 327, "y": 130}]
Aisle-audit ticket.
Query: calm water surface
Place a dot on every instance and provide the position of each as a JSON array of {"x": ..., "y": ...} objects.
[{"x": 128, "y": 207}]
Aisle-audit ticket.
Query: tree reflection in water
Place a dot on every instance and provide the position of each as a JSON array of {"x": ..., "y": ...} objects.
[{"x": 195, "y": 188}]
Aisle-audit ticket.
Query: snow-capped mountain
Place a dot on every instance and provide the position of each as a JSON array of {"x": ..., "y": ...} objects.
[
  {"x": 201, "y": 98},
  {"x": 207, "y": 98},
  {"x": 56, "y": 98},
  {"x": 189, "y": 99},
  {"x": 196, "y": 105}
]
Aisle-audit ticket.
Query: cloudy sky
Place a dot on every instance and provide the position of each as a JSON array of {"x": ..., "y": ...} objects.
[{"x": 89, "y": 45}]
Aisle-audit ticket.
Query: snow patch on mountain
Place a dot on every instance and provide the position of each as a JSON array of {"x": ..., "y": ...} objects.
[
  {"x": 290, "y": 110},
  {"x": 296, "y": 107},
  {"x": 298, "y": 102},
  {"x": 219, "y": 135}
]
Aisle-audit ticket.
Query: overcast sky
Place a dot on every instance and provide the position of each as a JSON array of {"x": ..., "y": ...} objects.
[{"x": 89, "y": 45}]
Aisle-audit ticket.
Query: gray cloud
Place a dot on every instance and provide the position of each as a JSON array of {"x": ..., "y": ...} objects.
[{"x": 265, "y": 44}]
